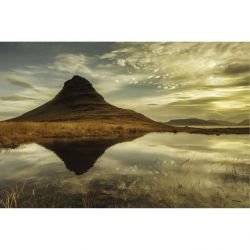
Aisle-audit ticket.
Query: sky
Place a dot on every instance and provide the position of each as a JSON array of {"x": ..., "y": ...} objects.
[{"x": 172, "y": 80}]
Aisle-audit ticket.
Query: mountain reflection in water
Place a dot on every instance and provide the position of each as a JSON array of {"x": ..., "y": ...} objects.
[
  {"x": 155, "y": 170},
  {"x": 80, "y": 156}
]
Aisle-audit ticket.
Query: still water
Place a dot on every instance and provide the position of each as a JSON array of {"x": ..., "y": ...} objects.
[{"x": 155, "y": 170}]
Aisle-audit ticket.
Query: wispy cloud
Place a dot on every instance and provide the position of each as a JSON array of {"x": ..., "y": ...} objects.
[
  {"x": 72, "y": 63},
  {"x": 20, "y": 83},
  {"x": 236, "y": 68},
  {"x": 16, "y": 98},
  {"x": 210, "y": 76}
]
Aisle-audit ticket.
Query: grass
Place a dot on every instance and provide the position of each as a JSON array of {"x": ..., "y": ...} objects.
[
  {"x": 52, "y": 195},
  {"x": 173, "y": 187},
  {"x": 9, "y": 198},
  {"x": 13, "y": 134}
]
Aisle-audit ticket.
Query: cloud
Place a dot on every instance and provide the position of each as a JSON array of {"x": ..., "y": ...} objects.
[
  {"x": 233, "y": 68},
  {"x": 73, "y": 64},
  {"x": 16, "y": 98},
  {"x": 105, "y": 76},
  {"x": 134, "y": 75},
  {"x": 237, "y": 68},
  {"x": 20, "y": 83},
  {"x": 183, "y": 79}
]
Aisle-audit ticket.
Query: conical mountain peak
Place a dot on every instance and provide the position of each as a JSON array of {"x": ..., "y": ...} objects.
[
  {"x": 78, "y": 100},
  {"x": 77, "y": 81},
  {"x": 79, "y": 90}
]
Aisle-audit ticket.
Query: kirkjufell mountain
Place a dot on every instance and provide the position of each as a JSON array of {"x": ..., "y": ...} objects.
[{"x": 78, "y": 100}]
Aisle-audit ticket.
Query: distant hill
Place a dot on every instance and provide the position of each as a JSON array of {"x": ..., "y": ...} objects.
[
  {"x": 190, "y": 121},
  {"x": 222, "y": 123},
  {"x": 199, "y": 122},
  {"x": 245, "y": 122},
  {"x": 78, "y": 100}
]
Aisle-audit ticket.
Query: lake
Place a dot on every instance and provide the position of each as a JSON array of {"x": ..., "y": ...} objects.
[{"x": 155, "y": 170}]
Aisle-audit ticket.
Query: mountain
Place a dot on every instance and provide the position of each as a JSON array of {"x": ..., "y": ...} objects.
[
  {"x": 78, "y": 100},
  {"x": 222, "y": 123},
  {"x": 245, "y": 122},
  {"x": 190, "y": 121},
  {"x": 199, "y": 122}
]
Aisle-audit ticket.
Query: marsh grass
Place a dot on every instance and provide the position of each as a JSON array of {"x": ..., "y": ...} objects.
[
  {"x": 88, "y": 198},
  {"x": 27, "y": 196},
  {"x": 14, "y": 133},
  {"x": 182, "y": 185},
  {"x": 9, "y": 198},
  {"x": 130, "y": 192},
  {"x": 44, "y": 195}
]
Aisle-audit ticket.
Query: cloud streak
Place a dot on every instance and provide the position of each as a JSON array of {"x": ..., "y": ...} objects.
[
  {"x": 16, "y": 98},
  {"x": 20, "y": 83}
]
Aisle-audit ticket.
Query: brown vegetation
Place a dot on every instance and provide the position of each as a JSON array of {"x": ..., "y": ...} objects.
[
  {"x": 185, "y": 188},
  {"x": 13, "y": 134}
]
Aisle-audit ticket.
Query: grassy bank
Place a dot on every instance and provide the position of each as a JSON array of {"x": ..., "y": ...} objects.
[{"x": 14, "y": 133}]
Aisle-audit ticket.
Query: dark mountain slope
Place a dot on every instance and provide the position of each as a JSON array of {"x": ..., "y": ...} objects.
[{"x": 78, "y": 100}]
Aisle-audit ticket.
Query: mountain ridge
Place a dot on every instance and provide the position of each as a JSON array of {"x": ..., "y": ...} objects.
[
  {"x": 202, "y": 122},
  {"x": 245, "y": 122},
  {"x": 189, "y": 121}
]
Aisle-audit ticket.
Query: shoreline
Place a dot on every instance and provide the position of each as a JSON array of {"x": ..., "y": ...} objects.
[{"x": 13, "y": 134}]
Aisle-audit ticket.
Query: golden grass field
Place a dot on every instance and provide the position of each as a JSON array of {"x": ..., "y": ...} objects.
[{"x": 13, "y": 134}]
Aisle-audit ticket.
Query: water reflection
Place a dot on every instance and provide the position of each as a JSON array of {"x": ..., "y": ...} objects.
[
  {"x": 156, "y": 170},
  {"x": 79, "y": 157}
]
